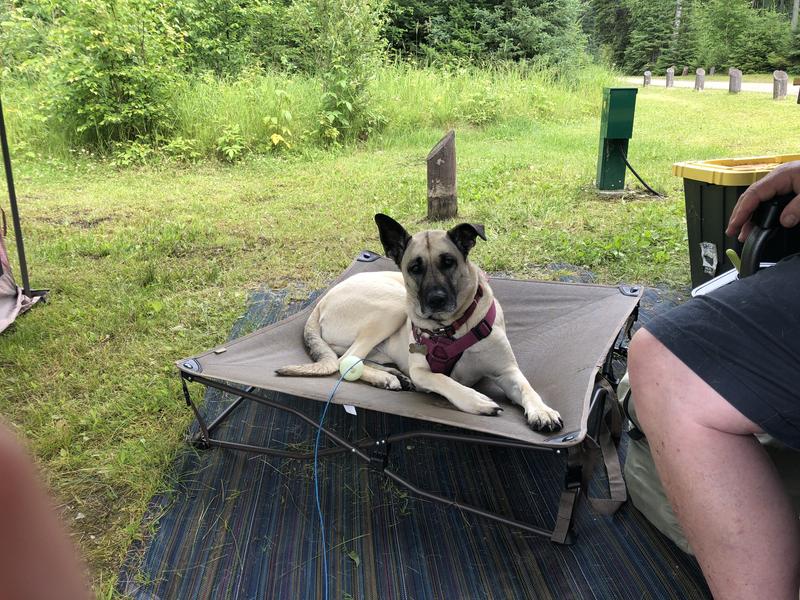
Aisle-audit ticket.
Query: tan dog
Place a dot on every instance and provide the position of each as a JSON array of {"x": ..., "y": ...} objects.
[{"x": 395, "y": 318}]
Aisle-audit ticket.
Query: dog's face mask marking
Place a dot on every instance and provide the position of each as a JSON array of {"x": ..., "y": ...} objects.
[{"x": 433, "y": 263}]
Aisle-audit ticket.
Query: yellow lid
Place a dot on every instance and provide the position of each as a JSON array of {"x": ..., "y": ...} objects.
[{"x": 731, "y": 172}]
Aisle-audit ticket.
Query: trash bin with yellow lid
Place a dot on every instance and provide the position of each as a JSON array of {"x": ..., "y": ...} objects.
[{"x": 711, "y": 189}]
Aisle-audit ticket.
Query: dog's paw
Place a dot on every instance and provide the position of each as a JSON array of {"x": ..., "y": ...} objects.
[
  {"x": 545, "y": 419},
  {"x": 476, "y": 403},
  {"x": 392, "y": 383},
  {"x": 406, "y": 383}
]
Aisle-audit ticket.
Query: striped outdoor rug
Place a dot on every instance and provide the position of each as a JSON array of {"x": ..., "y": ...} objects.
[{"x": 245, "y": 526}]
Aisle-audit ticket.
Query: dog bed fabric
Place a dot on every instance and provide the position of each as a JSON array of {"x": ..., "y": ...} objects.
[{"x": 561, "y": 334}]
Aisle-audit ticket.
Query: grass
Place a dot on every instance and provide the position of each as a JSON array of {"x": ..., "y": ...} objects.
[{"x": 151, "y": 264}]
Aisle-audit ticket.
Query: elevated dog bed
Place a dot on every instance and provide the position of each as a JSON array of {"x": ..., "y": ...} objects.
[{"x": 562, "y": 334}]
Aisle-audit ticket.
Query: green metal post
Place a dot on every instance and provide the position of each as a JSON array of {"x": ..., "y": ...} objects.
[{"x": 616, "y": 129}]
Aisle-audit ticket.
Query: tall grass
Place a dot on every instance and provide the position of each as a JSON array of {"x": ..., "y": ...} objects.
[
  {"x": 31, "y": 134},
  {"x": 206, "y": 106},
  {"x": 411, "y": 100}
]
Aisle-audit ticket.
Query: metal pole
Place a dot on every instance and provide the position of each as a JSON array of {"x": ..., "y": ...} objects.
[{"x": 12, "y": 198}]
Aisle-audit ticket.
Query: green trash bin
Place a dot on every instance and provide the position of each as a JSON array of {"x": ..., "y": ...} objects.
[{"x": 711, "y": 189}]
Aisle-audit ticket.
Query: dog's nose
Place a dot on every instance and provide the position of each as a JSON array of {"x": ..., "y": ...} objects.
[{"x": 437, "y": 299}]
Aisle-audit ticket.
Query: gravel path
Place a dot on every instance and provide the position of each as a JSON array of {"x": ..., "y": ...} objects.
[{"x": 747, "y": 86}]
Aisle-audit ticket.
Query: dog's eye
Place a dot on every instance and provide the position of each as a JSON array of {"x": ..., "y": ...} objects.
[
  {"x": 447, "y": 261},
  {"x": 415, "y": 268}
]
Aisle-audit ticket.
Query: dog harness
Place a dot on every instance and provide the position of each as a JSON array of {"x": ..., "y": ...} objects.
[{"x": 443, "y": 350}]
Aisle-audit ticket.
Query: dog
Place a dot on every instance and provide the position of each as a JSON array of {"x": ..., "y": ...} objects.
[{"x": 436, "y": 321}]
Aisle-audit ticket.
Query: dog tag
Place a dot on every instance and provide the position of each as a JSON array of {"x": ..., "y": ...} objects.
[{"x": 418, "y": 349}]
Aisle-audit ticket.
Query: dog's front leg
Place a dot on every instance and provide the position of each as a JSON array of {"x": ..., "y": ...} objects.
[
  {"x": 462, "y": 397},
  {"x": 517, "y": 389}
]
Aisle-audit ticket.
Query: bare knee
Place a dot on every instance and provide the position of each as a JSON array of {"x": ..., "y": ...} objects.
[
  {"x": 640, "y": 348},
  {"x": 650, "y": 377}
]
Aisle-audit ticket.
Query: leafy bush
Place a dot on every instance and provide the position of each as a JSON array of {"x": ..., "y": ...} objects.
[
  {"x": 278, "y": 131},
  {"x": 480, "y": 107},
  {"x": 349, "y": 50},
  {"x": 131, "y": 154},
  {"x": 23, "y": 37},
  {"x": 231, "y": 144},
  {"x": 182, "y": 149},
  {"x": 114, "y": 68},
  {"x": 217, "y": 34}
]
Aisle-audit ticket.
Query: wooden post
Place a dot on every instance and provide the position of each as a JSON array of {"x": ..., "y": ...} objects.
[
  {"x": 685, "y": 71},
  {"x": 670, "y": 77},
  {"x": 699, "y": 80},
  {"x": 796, "y": 81},
  {"x": 780, "y": 82},
  {"x": 712, "y": 71},
  {"x": 735, "y": 82},
  {"x": 442, "y": 199},
  {"x": 648, "y": 77}
]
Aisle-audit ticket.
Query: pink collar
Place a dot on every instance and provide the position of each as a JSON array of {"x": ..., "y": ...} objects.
[{"x": 441, "y": 349}]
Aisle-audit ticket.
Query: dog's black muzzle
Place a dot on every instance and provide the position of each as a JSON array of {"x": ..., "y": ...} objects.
[{"x": 437, "y": 300}]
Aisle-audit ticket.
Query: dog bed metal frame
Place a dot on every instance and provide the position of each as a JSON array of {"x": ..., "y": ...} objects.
[{"x": 581, "y": 455}]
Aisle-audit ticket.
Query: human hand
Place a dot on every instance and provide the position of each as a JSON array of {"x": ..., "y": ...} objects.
[{"x": 785, "y": 179}]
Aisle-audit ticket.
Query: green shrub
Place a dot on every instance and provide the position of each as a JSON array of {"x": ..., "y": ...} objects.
[
  {"x": 228, "y": 36},
  {"x": 131, "y": 154},
  {"x": 217, "y": 34},
  {"x": 114, "y": 69},
  {"x": 480, "y": 107},
  {"x": 349, "y": 51},
  {"x": 278, "y": 132},
  {"x": 182, "y": 149},
  {"x": 23, "y": 39},
  {"x": 231, "y": 145}
]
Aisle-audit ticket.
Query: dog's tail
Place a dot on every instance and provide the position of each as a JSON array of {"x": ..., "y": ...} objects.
[{"x": 325, "y": 360}]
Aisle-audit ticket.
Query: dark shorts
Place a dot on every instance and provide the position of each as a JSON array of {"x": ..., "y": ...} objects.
[{"x": 744, "y": 341}]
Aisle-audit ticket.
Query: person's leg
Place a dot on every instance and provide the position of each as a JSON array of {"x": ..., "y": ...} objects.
[
  {"x": 37, "y": 559},
  {"x": 724, "y": 489}
]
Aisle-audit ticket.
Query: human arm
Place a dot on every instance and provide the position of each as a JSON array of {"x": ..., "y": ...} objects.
[{"x": 37, "y": 559}]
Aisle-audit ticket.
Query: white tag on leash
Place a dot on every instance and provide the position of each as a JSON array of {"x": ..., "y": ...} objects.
[{"x": 350, "y": 410}]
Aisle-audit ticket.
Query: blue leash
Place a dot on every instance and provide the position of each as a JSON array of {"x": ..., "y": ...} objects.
[{"x": 316, "y": 476}]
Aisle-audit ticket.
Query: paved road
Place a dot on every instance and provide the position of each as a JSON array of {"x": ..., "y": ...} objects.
[{"x": 747, "y": 86}]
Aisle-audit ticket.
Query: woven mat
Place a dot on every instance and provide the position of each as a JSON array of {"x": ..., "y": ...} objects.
[{"x": 244, "y": 526}]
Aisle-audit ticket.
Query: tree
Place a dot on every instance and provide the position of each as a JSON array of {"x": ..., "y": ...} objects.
[
  {"x": 608, "y": 23},
  {"x": 733, "y": 34},
  {"x": 486, "y": 29},
  {"x": 682, "y": 49},
  {"x": 651, "y": 32}
]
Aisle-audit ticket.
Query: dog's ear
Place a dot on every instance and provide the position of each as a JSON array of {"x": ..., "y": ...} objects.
[
  {"x": 463, "y": 236},
  {"x": 393, "y": 237}
]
